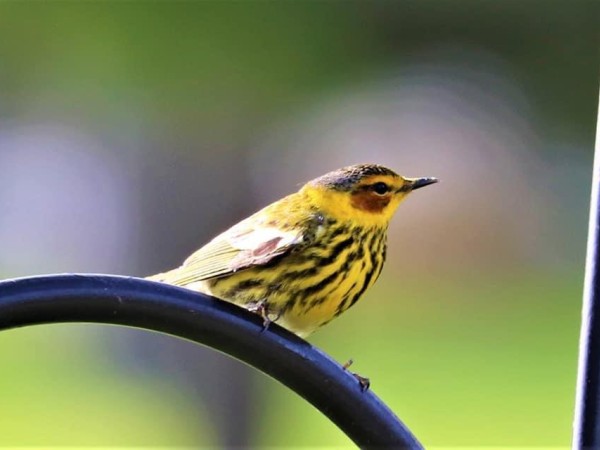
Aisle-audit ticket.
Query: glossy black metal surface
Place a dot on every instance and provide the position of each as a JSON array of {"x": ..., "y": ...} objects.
[
  {"x": 586, "y": 431},
  {"x": 179, "y": 312}
]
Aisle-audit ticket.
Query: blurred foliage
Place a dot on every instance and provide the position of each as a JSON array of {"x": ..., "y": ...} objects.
[
  {"x": 239, "y": 61},
  {"x": 57, "y": 389},
  {"x": 243, "y": 60}
]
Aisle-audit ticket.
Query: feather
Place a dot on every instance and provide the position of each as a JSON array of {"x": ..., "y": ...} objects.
[{"x": 237, "y": 249}]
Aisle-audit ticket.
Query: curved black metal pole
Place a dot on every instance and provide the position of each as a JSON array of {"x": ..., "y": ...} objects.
[
  {"x": 227, "y": 328},
  {"x": 586, "y": 430}
]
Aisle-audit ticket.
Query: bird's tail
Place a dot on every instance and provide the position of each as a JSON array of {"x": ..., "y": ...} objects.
[
  {"x": 165, "y": 277},
  {"x": 176, "y": 277}
]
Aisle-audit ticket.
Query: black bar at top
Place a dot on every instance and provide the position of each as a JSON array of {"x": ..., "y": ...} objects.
[
  {"x": 586, "y": 432},
  {"x": 225, "y": 327}
]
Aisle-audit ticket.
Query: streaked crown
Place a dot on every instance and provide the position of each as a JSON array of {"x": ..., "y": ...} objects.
[{"x": 346, "y": 178}]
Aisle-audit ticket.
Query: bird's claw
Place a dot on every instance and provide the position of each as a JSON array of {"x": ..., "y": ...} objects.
[
  {"x": 364, "y": 382},
  {"x": 261, "y": 308}
]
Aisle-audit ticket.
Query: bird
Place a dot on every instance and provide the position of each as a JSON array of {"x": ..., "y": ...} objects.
[{"x": 307, "y": 258}]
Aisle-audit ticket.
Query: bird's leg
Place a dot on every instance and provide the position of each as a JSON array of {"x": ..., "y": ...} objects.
[
  {"x": 364, "y": 382},
  {"x": 262, "y": 309}
]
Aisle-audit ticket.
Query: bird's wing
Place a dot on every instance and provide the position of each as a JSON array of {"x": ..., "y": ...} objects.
[{"x": 239, "y": 248}]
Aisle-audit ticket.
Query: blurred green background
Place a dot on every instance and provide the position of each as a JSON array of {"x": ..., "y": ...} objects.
[{"x": 133, "y": 132}]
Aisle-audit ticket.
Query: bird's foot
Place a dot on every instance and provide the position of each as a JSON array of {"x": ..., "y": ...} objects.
[
  {"x": 262, "y": 309},
  {"x": 364, "y": 382}
]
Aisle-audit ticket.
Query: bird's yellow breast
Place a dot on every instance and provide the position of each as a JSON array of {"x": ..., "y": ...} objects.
[{"x": 306, "y": 290}]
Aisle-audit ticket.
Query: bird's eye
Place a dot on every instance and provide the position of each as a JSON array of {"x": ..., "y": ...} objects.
[{"x": 381, "y": 188}]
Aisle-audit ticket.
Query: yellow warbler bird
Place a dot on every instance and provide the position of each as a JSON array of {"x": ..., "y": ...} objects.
[{"x": 307, "y": 258}]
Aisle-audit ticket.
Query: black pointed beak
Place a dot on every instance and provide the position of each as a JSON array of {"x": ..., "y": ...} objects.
[
  {"x": 417, "y": 183},
  {"x": 422, "y": 182}
]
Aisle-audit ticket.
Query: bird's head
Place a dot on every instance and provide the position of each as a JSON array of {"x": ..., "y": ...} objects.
[{"x": 366, "y": 193}]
